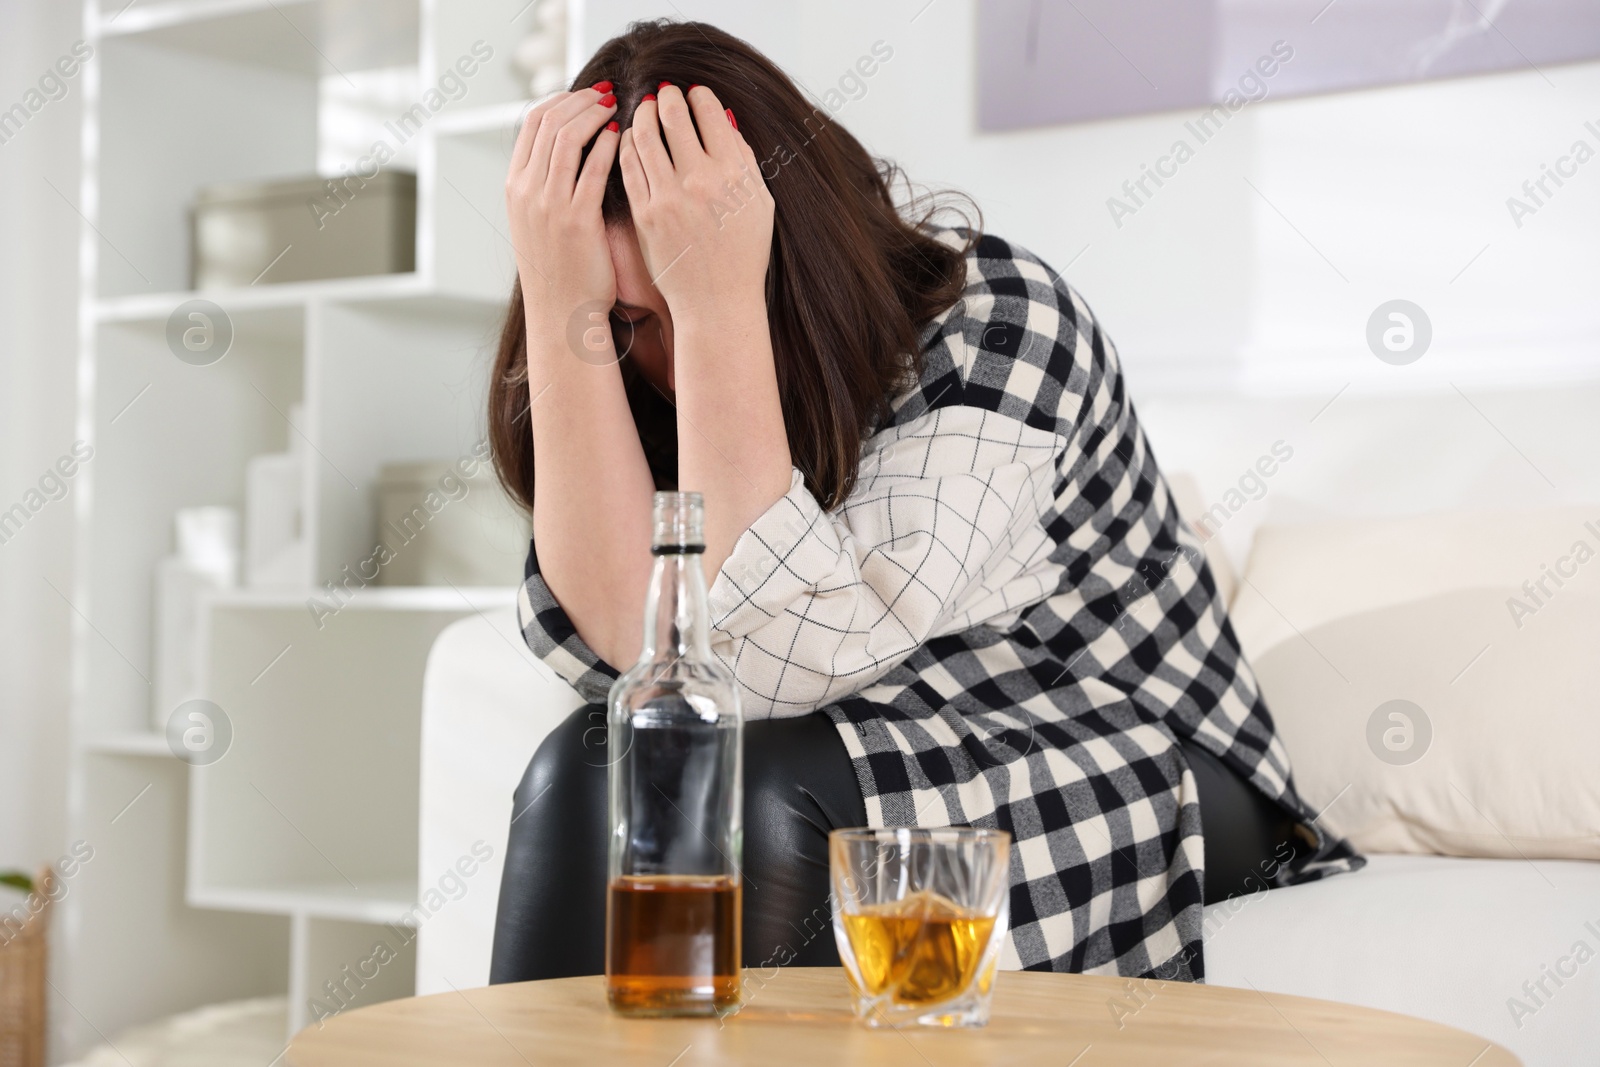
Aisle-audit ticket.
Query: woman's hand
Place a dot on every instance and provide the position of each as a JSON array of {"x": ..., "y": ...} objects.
[
  {"x": 702, "y": 213},
  {"x": 563, "y": 260}
]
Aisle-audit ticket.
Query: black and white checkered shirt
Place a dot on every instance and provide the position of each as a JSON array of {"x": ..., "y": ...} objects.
[{"x": 1010, "y": 627}]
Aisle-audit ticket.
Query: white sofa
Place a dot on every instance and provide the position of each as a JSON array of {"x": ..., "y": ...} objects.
[{"x": 1461, "y": 941}]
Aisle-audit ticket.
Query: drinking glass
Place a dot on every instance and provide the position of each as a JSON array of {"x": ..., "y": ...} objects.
[{"x": 920, "y": 916}]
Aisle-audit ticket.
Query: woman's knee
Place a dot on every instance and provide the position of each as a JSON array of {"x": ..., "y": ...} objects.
[
  {"x": 570, "y": 758},
  {"x": 551, "y": 919},
  {"x": 799, "y": 784},
  {"x": 801, "y": 763}
]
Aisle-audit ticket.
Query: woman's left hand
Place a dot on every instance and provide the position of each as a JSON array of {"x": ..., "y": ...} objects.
[{"x": 702, "y": 214}]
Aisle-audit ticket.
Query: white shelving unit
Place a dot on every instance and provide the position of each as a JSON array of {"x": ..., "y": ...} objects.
[{"x": 275, "y": 867}]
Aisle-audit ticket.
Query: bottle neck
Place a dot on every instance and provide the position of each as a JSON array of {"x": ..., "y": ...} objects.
[{"x": 676, "y": 618}]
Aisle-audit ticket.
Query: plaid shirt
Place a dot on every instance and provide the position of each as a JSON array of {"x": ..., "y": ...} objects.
[{"x": 1010, "y": 627}]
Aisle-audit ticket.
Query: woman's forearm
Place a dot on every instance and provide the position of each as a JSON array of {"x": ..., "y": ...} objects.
[
  {"x": 732, "y": 445},
  {"x": 592, "y": 493}
]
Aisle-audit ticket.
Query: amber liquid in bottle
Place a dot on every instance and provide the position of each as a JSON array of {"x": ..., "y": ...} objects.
[{"x": 675, "y": 943}]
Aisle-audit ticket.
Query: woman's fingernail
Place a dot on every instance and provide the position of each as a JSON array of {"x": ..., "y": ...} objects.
[
  {"x": 647, "y": 96},
  {"x": 696, "y": 85},
  {"x": 731, "y": 120},
  {"x": 602, "y": 87},
  {"x": 662, "y": 85},
  {"x": 608, "y": 101},
  {"x": 613, "y": 127}
]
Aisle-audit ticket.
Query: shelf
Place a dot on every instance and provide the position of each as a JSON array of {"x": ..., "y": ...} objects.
[
  {"x": 130, "y": 743},
  {"x": 388, "y": 901},
  {"x": 118, "y": 18},
  {"x": 234, "y": 879},
  {"x": 374, "y": 598},
  {"x": 320, "y": 788},
  {"x": 303, "y": 36},
  {"x": 155, "y": 307}
]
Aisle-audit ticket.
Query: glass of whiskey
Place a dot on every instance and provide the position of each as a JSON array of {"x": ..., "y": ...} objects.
[{"x": 920, "y": 916}]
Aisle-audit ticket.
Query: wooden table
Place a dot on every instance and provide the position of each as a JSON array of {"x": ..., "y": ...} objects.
[{"x": 801, "y": 1015}]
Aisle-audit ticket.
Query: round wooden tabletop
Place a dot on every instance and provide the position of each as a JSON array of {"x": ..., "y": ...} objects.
[{"x": 801, "y": 1015}]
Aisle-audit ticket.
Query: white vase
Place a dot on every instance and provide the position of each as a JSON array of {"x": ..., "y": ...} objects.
[{"x": 207, "y": 558}]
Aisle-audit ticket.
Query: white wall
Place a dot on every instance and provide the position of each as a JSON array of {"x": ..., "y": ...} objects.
[
  {"x": 1398, "y": 188},
  {"x": 38, "y": 374},
  {"x": 1235, "y": 328}
]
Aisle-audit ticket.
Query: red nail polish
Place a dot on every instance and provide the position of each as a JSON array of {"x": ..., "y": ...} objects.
[
  {"x": 647, "y": 96},
  {"x": 662, "y": 85},
  {"x": 612, "y": 126},
  {"x": 696, "y": 85},
  {"x": 608, "y": 101},
  {"x": 731, "y": 120},
  {"x": 602, "y": 87}
]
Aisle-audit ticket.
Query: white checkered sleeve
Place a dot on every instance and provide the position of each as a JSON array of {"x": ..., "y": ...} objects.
[{"x": 943, "y": 532}]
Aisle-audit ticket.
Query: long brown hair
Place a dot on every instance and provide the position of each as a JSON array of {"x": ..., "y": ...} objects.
[{"x": 851, "y": 280}]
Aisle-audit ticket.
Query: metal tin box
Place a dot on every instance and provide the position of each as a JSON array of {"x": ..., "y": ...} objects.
[{"x": 296, "y": 230}]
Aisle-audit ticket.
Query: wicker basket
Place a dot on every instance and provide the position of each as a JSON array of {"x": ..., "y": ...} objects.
[{"x": 22, "y": 981}]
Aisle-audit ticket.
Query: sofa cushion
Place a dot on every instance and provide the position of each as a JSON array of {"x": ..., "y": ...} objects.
[{"x": 1436, "y": 680}]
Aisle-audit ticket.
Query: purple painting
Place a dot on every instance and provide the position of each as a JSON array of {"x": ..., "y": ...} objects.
[{"x": 1043, "y": 62}]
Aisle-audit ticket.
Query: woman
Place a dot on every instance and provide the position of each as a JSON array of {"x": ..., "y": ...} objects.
[{"x": 944, "y": 567}]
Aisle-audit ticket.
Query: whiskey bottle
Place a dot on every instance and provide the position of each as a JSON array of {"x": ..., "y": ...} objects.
[{"x": 675, "y": 745}]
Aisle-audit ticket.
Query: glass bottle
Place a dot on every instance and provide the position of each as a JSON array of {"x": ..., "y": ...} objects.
[{"x": 676, "y": 755}]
